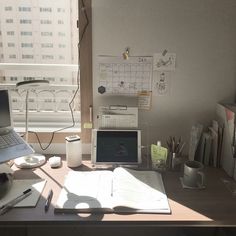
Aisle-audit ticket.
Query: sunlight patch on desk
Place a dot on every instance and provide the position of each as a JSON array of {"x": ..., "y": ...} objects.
[
  {"x": 18, "y": 186},
  {"x": 189, "y": 213},
  {"x": 82, "y": 205}
]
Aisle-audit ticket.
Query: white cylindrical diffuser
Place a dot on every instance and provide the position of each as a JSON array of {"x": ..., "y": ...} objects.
[{"x": 73, "y": 151}]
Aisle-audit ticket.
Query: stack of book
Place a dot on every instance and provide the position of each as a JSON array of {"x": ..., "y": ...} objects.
[{"x": 209, "y": 149}]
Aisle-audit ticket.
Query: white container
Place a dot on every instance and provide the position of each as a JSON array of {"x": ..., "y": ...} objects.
[{"x": 73, "y": 151}]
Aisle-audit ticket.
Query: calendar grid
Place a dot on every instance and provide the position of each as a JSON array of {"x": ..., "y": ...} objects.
[{"x": 124, "y": 77}]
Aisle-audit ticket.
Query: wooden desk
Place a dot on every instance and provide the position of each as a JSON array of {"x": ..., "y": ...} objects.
[{"x": 214, "y": 206}]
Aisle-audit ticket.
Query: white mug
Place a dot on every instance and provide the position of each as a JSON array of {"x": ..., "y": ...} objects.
[{"x": 193, "y": 175}]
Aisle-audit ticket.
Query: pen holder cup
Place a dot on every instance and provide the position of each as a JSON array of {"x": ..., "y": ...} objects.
[{"x": 174, "y": 162}]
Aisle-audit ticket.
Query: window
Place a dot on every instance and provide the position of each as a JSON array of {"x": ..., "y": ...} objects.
[
  {"x": 13, "y": 56},
  {"x": 47, "y": 57},
  {"x": 25, "y": 21},
  {"x": 45, "y": 9},
  {"x": 60, "y": 22},
  {"x": 11, "y": 45},
  {"x": 26, "y": 56},
  {"x": 61, "y": 57},
  {"x": 47, "y": 45},
  {"x": 37, "y": 58},
  {"x": 61, "y": 45},
  {"x": 7, "y": 8},
  {"x": 45, "y": 22},
  {"x": 13, "y": 78},
  {"x": 26, "y": 33},
  {"x": 46, "y": 33},
  {"x": 26, "y": 45},
  {"x": 61, "y": 34},
  {"x": 60, "y": 9},
  {"x": 9, "y": 20},
  {"x": 24, "y": 8},
  {"x": 10, "y": 32}
]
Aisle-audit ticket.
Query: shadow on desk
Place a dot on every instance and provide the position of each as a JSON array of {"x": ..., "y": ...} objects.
[
  {"x": 215, "y": 204},
  {"x": 113, "y": 231}
]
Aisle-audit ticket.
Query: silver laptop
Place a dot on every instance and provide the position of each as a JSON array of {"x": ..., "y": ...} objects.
[{"x": 11, "y": 144}]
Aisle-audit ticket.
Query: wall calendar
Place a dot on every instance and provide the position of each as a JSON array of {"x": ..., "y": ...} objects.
[{"x": 124, "y": 77}]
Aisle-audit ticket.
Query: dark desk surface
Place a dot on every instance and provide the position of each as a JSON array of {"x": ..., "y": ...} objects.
[{"x": 213, "y": 206}]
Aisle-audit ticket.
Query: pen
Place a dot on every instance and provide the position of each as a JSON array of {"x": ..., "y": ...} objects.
[
  {"x": 13, "y": 202},
  {"x": 48, "y": 200}
]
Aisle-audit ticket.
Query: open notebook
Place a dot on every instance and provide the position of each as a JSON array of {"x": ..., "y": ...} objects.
[{"x": 121, "y": 190}]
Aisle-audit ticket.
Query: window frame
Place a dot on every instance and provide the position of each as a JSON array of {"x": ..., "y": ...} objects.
[
  {"x": 86, "y": 91},
  {"x": 85, "y": 55}
]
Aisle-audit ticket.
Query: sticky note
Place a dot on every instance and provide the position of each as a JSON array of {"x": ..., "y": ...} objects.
[{"x": 88, "y": 125}]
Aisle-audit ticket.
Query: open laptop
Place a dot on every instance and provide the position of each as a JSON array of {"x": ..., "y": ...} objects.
[{"x": 11, "y": 144}]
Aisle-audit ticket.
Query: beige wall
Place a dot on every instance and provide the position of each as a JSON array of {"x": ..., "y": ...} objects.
[{"x": 202, "y": 33}]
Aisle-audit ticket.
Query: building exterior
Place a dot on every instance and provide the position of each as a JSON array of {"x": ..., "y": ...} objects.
[{"x": 40, "y": 34}]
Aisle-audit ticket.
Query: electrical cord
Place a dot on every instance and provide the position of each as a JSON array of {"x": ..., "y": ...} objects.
[{"x": 83, "y": 9}]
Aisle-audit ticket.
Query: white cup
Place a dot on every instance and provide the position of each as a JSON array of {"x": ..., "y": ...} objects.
[{"x": 193, "y": 175}]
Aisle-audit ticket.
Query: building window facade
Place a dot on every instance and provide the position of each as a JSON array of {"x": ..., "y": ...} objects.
[{"x": 24, "y": 43}]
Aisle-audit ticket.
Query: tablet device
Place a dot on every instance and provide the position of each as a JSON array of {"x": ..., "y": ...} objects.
[{"x": 118, "y": 147}]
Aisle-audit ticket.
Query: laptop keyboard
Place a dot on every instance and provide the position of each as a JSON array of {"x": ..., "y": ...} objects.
[{"x": 10, "y": 139}]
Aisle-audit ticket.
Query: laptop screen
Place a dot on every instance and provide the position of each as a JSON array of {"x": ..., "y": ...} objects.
[
  {"x": 116, "y": 147},
  {"x": 5, "y": 114}
]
